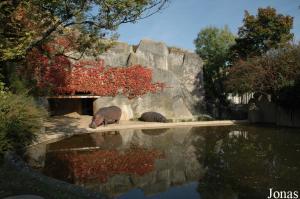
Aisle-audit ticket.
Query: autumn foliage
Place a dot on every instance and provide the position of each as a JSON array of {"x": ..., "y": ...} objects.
[
  {"x": 276, "y": 73},
  {"x": 100, "y": 165},
  {"x": 56, "y": 74},
  {"x": 259, "y": 33}
]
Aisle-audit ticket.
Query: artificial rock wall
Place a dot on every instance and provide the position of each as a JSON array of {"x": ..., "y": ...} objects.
[
  {"x": 179, "y": 69},
  {"x": 262, "y": 110}
]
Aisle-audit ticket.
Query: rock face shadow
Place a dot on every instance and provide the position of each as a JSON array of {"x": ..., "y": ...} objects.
[{"x": 199, "y": 92}]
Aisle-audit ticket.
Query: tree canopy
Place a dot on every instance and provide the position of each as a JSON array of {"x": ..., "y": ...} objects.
[
  {"x": 26, "y": 24},
  {"x": 264, "y": 59},
  {"x": 212, "y": 45},
  {"x": 262, "y": 32}
]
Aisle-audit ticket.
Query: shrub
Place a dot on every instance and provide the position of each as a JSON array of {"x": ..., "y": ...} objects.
[{"x": 20, "y": 121}]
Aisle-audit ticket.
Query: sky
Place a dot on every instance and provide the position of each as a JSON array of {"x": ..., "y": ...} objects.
[{"x": 179, "y": 24}]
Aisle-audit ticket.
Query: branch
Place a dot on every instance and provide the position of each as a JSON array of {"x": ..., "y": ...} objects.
[
  {"x": 44, "y": 36},
  {"x": 126, "y": 19},
  {"x": 71, "y": 57},
  {"x": 50, "y": 31},
  {"x": 69, "y": 15},
  {"x": 161, "y": 7}
]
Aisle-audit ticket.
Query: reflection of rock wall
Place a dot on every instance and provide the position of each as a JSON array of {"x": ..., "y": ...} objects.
[
  {"x": 179, "y": 166},
  {"x": 179, "y": 69}
]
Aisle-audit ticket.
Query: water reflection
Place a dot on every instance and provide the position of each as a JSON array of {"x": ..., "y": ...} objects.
[
  {"x": 114, "y": 163},
  {"x": 212, "y": 162},
  {"x": 109, "y": 140},
  {"x": 244, "y": 162}
]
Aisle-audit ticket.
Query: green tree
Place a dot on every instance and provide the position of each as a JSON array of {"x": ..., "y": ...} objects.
[
  {"x": 212, "y": 45},
  {"x": 262, "y": 32}
]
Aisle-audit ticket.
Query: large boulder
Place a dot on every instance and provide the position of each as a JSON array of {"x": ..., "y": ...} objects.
[
  {"x": 188, "y": 68},
  {"x": 175, "y": 61},
  {"x": 174, "y": 102},
  {"x": 134, "y": 108},
  {"x": 192, "y": 71},
  {"x": 150, "y": 54},
  {"x": 117, "y": 55},
  {"x": 179, "y": 69}
]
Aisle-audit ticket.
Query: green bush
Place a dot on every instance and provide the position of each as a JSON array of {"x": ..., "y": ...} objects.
[{"x": 20, "y": 121}]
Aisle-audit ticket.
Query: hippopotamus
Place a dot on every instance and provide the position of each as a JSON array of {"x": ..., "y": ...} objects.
[
  {"x": 106, "y": 115},
  {"x": 152, "y": 117}
]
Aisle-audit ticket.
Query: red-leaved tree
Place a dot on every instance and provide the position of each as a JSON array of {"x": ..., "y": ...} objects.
[{"x": 56, "y": 74}]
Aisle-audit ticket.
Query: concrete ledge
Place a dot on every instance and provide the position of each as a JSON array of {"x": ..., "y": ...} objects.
[
  {"x": 154, "y": 125},
  {"x": 60, "y": 127}
]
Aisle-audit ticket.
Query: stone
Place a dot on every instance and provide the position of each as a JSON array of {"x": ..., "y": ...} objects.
[
  {"x": 172, "y": 102},
  {"x": 179, "y": 69},
  {"x": 238, "y": 111},
  {"x": 262, "y": 110},
  {"x": 37, "y": 155},
  {"x": 117, "y": 55},
  {"x": 284, "y": 117},
  {"x": 175, "y": 61},
  {"x": 296, "y": 118},
  {"x": 132, "y": 109},
  {"x": 254, "y": 113},
  {"x": 73, "y": 115},
  {"x": 268, "y": 109},
  {"x": 193, "y": 77},
  {"x": 151, "y": 54}
]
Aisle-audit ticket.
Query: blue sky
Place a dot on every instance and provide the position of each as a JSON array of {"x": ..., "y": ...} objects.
[{"x": 179, "y": 24}]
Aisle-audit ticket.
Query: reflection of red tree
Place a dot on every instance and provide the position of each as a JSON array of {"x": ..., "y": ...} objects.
[
  {"x": 102, "y": 164},
  {"x": 61, "y": 76}
]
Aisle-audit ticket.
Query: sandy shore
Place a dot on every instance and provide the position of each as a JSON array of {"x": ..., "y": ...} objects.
[{"x": 64, "y": 126}]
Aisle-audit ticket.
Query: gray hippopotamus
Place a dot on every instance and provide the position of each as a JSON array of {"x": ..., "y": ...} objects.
[
  {"x": 106, "y": 115},
  {"x": 152, "y": 117}
]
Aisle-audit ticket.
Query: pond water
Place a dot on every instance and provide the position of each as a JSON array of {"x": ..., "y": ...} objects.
[{"x": 198, "y": 162}]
